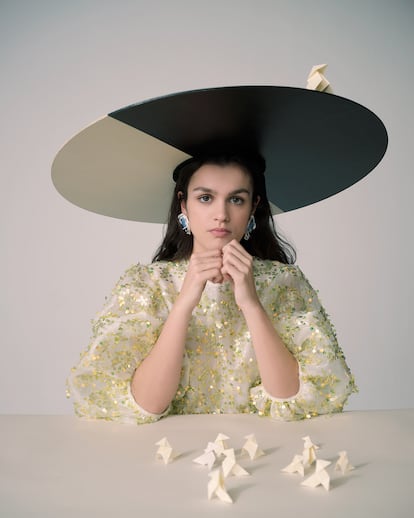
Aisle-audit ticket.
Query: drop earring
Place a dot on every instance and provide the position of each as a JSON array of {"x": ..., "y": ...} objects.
[
  {"x": 184, "y": 223},
  {"x": 251, "y": 225}
]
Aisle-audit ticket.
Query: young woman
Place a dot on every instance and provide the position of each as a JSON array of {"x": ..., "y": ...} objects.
[{"x": 220, "y": 322}]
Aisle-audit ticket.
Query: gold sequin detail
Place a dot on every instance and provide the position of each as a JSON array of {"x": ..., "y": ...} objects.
[{"x": 219, "y": 372}]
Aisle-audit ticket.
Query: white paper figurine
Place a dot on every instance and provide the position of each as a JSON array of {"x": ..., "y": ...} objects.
[
  {"x": 309, "y": 451},
  {"x": 216, "y": 486},
  {"x": 209, "y": 456},
  {"x": 165, "y": 452},
  {"x": 320, "y": 477},
  {"x": 230, "y": 466},
  {"x": 251, "y": 447},
  {"x": 317, "y": 80},
  {"x": 296, "y": 466},
  {"x": 220, "y": 444},
  {"x": 343, "y": 464}
]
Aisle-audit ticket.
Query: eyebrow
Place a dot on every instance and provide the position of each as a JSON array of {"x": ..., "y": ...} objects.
[{"x": 232, "y": 193}]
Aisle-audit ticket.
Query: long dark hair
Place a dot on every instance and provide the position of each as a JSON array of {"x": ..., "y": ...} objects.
[{"x": 264, "y": 243}]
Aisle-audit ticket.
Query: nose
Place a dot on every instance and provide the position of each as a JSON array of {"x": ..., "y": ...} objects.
[{"x": 222, "y": 214}]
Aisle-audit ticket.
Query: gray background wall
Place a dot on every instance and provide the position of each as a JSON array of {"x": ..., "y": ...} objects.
[{"x": 65, "y": 64}]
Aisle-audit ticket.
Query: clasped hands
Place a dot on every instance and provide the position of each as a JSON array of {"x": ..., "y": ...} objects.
[{"x": 231, "y": 264}]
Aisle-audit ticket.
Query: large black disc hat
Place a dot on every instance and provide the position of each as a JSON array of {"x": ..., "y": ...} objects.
[{"x": 315, "y": 145}]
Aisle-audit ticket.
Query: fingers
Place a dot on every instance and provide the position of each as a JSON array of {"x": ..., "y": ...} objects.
[
  {"x": 202, "y": 267},
  {"x": 236, "y": 259},
  {"x": 220, "y": 265},
  {"x": 238, "y": 267},
  {"x": 236, "y": 249},
  {"x": 206, "y": 266}
]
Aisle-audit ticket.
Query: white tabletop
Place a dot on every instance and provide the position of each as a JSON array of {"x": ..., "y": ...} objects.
[{"x": 60, "y": 466}]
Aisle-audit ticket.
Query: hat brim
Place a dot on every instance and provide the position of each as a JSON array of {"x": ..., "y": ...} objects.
[{"x": 315, "y": 145}]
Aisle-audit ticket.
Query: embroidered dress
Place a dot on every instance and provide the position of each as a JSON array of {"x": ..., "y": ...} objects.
[{"x": 219, "y": 372}]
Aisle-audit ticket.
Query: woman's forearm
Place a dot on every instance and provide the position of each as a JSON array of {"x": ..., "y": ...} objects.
[
  {"x": 156, "y": 380},
  {"x": 278, "y": 368}
]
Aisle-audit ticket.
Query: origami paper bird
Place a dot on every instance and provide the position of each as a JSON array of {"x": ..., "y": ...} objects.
[
  {"x": 220, "y": 444},
  {"x": 309, "y": 451},
  {"x": 320, "y": 477},
  {"x": 296, "y": 466},
  {"x": 165, "y": 452},
  {"x": 343, "y": 464},
  {"x": 216, "y": 486},
  {"x": 317, "y": 80},
  {"x": 209, "y": 456},
  {"x": 230, "y": 466},
  {"x": 251, "y": 447}
]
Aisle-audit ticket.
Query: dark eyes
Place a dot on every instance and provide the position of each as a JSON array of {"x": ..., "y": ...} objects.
[
  {"x": 235, "y": 200},
  {"x": 204, "y": 198}
]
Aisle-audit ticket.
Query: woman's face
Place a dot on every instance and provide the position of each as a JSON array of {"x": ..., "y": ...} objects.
[{"x": 218, "y": 206}]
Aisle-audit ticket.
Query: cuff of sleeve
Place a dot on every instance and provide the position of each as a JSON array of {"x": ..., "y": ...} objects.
[
  {"x": 275, "y": 407},
  {"x": 285, "y": 399},
  {"x": 278, "y": 399},
  {"x": 146, "y": 415}
]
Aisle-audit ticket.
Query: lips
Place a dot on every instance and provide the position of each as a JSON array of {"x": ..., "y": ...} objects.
[{"x": 220, "y": 232}]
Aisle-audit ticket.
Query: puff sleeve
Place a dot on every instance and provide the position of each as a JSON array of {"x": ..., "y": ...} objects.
[
  {"x": 302, "y": 323},
  {"x": 123, "y": 334}
]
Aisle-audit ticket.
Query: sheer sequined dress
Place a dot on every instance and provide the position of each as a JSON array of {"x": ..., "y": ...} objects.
[{"x": 219, "y": 372}]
